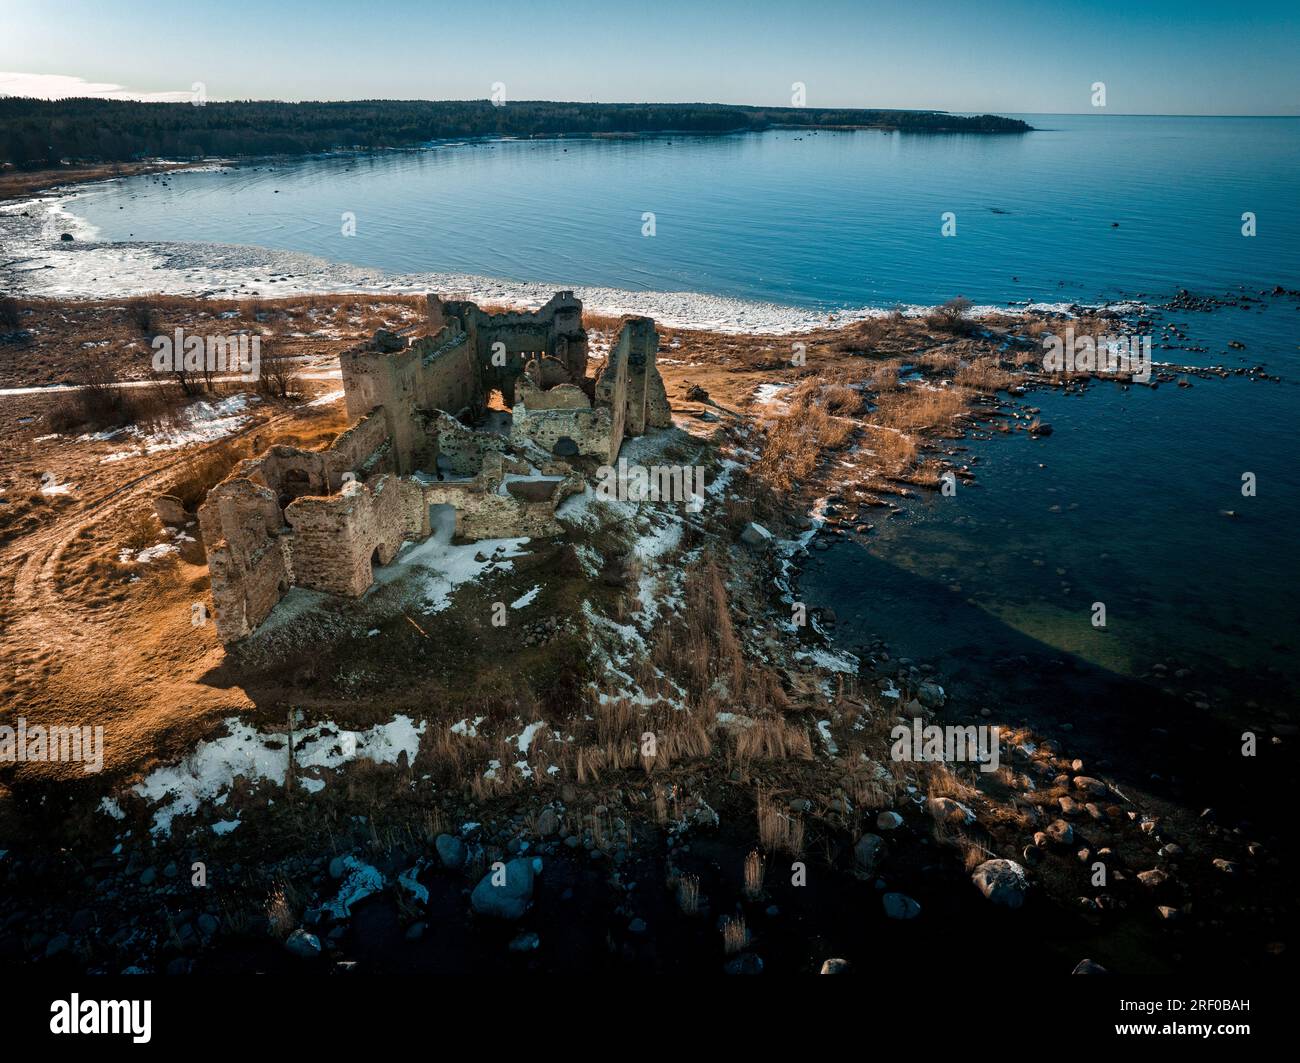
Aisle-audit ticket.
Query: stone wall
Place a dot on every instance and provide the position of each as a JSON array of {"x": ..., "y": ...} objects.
[
  {"x": 339, "y": 539},
  {"x": 249, "y": 561},
  {"x": 324, "y": 519},
  {"x": 498, "y": 504},
  {"x": 553, "y": 331}
]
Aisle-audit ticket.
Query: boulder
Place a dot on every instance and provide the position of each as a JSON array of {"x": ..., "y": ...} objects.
[
  {"x": 868, "y": 851},
  {"x": 451, "y": 851},
  {"x": 889, "y": 821},
  {"x": 900, "y": 906},
  {"x": 835, "y": 966},
  {"x": 946, "y": 810},
  {"x": 1002, "y": 881},
  {"x": 547, "y": 823},
  {"x": 303, "y": 944},
  {"x": 756, "y": 536},
  {"x": 170, "y": 511},
  {"x": 505, "y": 893},
  {"x": 1061, "y": 832}
]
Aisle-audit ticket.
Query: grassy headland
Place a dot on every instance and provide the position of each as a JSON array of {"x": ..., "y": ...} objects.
[{"x": 44, "y": 133}]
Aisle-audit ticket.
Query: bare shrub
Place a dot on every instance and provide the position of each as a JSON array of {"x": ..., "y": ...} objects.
[
  {"x": 276, "y": 379},
  {"x": 10, "y": 312},
  {"x": 952, "y": 317},
  {"x": 142, "y": 314}
]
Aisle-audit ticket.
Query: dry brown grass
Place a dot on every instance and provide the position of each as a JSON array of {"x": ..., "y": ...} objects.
[
  {"x": 688, "y": 894},
  {"x": 778, "y": 830},
  {"x": 772, "y": 738},
  {"x": 885, "y": 378},
  {"x": 894, "y": 450},
  {"x": 942, "y": 781},
  {"x": 712, "y": 650},
  {"x": 755, "y": 869},
  {"x": 918, "y": 409},
  {"x": 281, "y": 911},
  {"x": 939, "y": 360},
  {"x": 841, "y": 399},
  {"x": 797, "y": 440},
  {"x": 862, "y": 337},
  {"x": 984, "y": 375},
  {"x": 735, "y": 935}
]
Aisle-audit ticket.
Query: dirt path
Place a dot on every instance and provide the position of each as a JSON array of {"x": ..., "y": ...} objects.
[{"x": 137, "y": 666}]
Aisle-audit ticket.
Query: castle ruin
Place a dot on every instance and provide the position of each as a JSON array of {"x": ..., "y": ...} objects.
[{"x": 424, "y": 447}]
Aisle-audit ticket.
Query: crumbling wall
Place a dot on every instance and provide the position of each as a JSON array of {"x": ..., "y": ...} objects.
[
  {"x": 504, "y": 343},
  {"x": 324, "y": 519},
  {"x": 397, "y": 380},
  {"x": 250, "y": 566},
  {"x": 363, "y": 450},
  {"x": 589, "y": 432},
  {"x": 339, "y": 538},
  {"x": 460, "y": 450},
  {"x": 498, "y": 504}
]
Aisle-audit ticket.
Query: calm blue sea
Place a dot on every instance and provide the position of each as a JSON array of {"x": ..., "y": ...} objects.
[
  {"x": 810, "y": 219},
  {"x": 1121, "y": 505}
]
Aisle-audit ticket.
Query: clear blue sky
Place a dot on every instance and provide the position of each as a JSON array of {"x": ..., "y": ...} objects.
[{"x": 1155, "y": 56}]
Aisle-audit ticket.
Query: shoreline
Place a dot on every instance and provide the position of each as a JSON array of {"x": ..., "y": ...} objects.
[{"x": 38, "y": 266}]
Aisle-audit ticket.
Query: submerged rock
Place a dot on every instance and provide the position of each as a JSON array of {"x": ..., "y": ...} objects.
[{"x": 526, "y": 941}]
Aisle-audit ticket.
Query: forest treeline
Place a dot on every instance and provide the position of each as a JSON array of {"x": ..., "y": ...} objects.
[{"x": 39, "y": 133}]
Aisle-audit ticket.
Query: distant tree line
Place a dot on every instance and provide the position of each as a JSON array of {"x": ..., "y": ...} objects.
[{"x": 38, "y": 133}]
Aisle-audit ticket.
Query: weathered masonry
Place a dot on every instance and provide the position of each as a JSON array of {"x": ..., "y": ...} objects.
[{"x": 422, "y": 434}]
